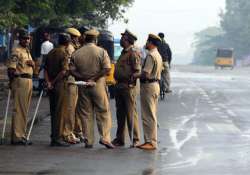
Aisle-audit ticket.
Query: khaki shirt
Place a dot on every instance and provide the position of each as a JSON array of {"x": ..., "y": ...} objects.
[
  {"x": 18, "y": 59},
  {"x": 153, "y": 64},
  {"x": 70, "y": 49},
  {"x": 90, "y": 60},
  {"x": 127, "y": 64},
  {"x": 73, "y": 47},
  {"x": 57, "y": 61}
]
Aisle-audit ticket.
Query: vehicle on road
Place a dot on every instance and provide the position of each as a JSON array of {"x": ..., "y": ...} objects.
[{"x": 224, "y": 58}]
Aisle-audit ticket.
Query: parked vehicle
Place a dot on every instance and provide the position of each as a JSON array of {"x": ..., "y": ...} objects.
[{"x": 224, "y": 58}]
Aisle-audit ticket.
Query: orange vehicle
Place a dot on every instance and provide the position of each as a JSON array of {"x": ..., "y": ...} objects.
[{"x": 224, "y": 58}]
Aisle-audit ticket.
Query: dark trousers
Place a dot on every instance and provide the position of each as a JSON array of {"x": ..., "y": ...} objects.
[
  {"x": 126, "y": 113},
  {"x": 53, "y": 98}
]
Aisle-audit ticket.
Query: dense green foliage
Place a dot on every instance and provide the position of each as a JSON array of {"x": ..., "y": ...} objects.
[
  {"x": 234, "y": 33},
  {"x": 36, "y": 13}
]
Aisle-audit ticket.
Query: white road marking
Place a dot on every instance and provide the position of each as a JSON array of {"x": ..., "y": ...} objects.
[
  {"x": 224, "y": 128},
  {"x": 184, "y": 105},
  {"x": 216, "y": 109},
  {"x": 230, "y": 112},
  {"x": 178, "y": 144},
  {"x": 209, "y": 128},
  {"x": 193, "y": 161}
]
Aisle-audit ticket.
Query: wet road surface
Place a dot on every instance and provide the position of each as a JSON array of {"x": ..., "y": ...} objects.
[{"x": 204, "y": 129}]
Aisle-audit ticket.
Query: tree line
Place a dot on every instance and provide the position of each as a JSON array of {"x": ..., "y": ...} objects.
[
  {"x": 233, "y": 32},
  {"x": 36, "y": 13}
]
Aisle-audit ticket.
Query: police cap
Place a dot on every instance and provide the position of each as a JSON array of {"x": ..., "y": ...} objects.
[
  {"x": 73, "y": 31},
  {"x": 130, "y": 35},
  {"x": 92, "y": 32},
  {"x": 153, "y": 36},
  {"x": 154, "y": 39}
]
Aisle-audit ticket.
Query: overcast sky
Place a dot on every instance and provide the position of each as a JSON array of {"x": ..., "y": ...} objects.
[{"x": 178, "y": 19}]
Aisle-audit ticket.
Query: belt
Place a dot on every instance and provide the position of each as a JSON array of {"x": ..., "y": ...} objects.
[
  {"x": 24, "y": 76},
  {"x": 149, "y": 80}
]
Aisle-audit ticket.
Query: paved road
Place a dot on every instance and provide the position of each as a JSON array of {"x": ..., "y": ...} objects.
[{"x": 204, "y": 130}]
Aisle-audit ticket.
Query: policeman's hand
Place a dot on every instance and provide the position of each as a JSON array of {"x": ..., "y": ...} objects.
[
  {"x": 49, "y": 85},
  {"x": 30, "y": 63},
  {"x": 90, "y": 83},
  {"x": 11, "y": 73}
]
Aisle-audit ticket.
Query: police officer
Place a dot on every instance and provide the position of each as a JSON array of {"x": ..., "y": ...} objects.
[
  {"x": 69, "y": 119},
  {"x": 74, "y": 35},
  {"x": 126, "y": 69},
  {"x": 151, "y": 74},
  {"x": 166, "y": 55},
  {"x": 56, "y": 67},
  {"x": 92, "y": 64},
  {"x": 20, "y": 69},
  {"x": 78, "y": 131}
]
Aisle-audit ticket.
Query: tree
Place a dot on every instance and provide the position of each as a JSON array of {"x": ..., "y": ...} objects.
[
  {"x": 206, "y": 43},
  {"x": 235, "y": 21},
  {"x": 61, "y": 12},
  {"x": 235, "y": 33}
]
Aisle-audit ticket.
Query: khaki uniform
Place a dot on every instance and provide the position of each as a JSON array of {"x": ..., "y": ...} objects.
[
  {"x": 77, "y": 127},
  {"x": 57, "y": 61},
  {"x": 69, "y": 103},
  {"x": 21, "y": 87},
  {"x": 125, "y": 94},
  {"x": 149, "y": 95},
  {"x": 88, "y": 61}
]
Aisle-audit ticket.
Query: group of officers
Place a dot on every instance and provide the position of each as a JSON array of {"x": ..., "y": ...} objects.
[{"x": 74, "y": 75}]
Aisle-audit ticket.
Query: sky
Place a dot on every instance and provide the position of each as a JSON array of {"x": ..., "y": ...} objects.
[{"x": 179, "y": 20}]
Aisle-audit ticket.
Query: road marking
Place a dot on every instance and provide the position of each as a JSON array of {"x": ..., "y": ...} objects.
[
  {"x": 173, "y": 135},
  {"x": 209, "y": 128},
  {"x": 193, "y": 161},
  {"x": 216, "y": 109},
  {"x": 230, "y": 112},
  {"x": 184, "y": 105},
  {"x": 224, "y": 128}
]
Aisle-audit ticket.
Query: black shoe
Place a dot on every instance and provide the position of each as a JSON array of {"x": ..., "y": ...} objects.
[
  {"x": 168, "y": 91},
  {"x": 117, "y": 142},
  {"x": 21, "y": 142},
  {"x": 28, "y": 142},
  {"x": 107, "y": 144},
  {"x": 59, "y": 143}
]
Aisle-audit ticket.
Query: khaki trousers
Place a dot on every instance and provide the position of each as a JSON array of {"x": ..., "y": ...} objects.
[
  {"x": 69, "y": 106},
  {"x": 93, "y": 102},
  {"x": 78, "y": 129},
  {"x": 165, "y": 75},
  {"x": 125, "y": 98},
  {"x": 22, "y": 92},
  {"x": 149, "y": 104}
]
